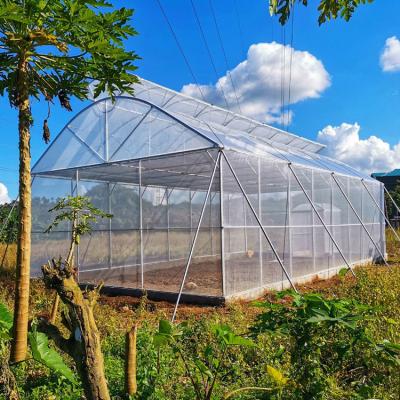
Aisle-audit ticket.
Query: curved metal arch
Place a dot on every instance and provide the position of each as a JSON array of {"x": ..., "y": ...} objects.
[{"x": 130, "y": 98}]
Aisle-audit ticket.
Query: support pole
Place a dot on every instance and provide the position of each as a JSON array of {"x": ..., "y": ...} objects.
[
  {"x": 195, "y": 237},
  {"x": 358, "y": 217},
  {"x": 321, "y": 220},
  {"x": 141, "y": 225},
  {"x": 380, "y": 210},
  {"x": 221, "y": 211},
  {"x": 391, "y": 199},
  {"x": 260, "y": 224}
]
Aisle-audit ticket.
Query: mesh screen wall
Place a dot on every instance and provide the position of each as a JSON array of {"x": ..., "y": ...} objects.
[{"x": 151, "y": 165}]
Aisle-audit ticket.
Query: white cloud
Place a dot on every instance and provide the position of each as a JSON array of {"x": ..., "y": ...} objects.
[
  {"x": 367, "y": 155},
  {"x": 390, "y": 57},
  {"x": 258, "y": 82},
  {"x": 4, "y": 198}
]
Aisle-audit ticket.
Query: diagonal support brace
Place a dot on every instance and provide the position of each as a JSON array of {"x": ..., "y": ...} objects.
[
  {"x": 380, "y": 210},
  {"x": 195, "y": 237},
  {"x": 359, "y": 218},
  {"x": 260, "y": 225},
  {"x": 321, "y": 220}
]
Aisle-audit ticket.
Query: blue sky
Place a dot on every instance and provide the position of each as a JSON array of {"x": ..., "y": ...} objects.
[{"x": 360, "y": 101}]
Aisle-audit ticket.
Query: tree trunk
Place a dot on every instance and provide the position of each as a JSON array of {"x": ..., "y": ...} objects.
[
  {"x": 84, "y": 343},
  {"x": 130, "y": 362},
  {"x": 21, "y": 305}
]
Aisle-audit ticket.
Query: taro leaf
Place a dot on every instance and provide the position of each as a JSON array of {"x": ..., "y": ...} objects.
[
  {"x": 225, "y": 334},
  {"x": 343, "y": 271},
  {"x": 47, "y": 356}
]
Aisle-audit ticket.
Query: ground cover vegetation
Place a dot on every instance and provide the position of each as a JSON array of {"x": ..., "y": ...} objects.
[{"x": 337, "y": 340}]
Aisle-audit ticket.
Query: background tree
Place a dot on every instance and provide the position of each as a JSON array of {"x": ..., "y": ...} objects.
[
  {"x": 52, "y": 49},
  {"x": 328, "y": 9}
]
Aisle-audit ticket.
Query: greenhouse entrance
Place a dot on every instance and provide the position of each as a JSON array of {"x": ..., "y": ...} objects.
[{"x": 205, "y": 202}]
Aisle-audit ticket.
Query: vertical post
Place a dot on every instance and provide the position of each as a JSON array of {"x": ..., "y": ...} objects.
[
  {"x": 77, "y": 246},
  {"x": 221, "y": 200},
  {"x": 261, "y": 219},
  {"x": 141, "y": 226},
  {"x": 106, "y": 151},
  {"x": 313, "y": 221},
  {"x": 289, "y": 221},
  {"x": 110, "y": 258},
  {"x": 168, "y": 238},
  {"x": 195, "y": 237}
]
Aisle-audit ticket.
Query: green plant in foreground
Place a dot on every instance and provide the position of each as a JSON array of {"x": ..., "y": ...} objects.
[
  {"x": 205, "y": 370},
  {"x": 39, "y": 344},
  {"x": 327, "y": 337}
]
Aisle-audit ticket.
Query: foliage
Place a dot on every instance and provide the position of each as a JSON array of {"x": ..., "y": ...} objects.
[
  {"x": 47, "y": 356},
  {"x": 41, "y": 352},
  {"x": 8, "y": 223},
  {"x": 327, "y": 9},
  {"x": 326, "y": 337},
  {"x": 66, "y": 45},
  {"x": 78, "y": 210}
]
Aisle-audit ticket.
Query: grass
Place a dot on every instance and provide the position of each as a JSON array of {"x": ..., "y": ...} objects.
[{"x": 377, "y": 286}]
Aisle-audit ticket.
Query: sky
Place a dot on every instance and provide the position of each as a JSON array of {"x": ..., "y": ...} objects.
[{"x": 344, "y": 77}]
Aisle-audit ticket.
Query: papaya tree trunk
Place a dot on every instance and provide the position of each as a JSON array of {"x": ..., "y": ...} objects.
[
  {"x": 83, "y": 345},
  {"x": 21, "y": 305}
]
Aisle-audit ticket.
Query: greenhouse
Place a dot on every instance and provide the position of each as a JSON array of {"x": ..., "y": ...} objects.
[{"x": 206, "y": 203}]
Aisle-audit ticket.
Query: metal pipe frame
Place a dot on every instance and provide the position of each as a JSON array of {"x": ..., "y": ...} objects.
[
  {"x": 358, "y": 217},
  {"x": 380, "y": 210},
  {"x": 195, "y": 237},
  {"x": 391, "y": 198},
  {"x": 141, "y": 225},
  {"x": 321, "y": 220},
  {"x": 260, "y": 224},
  {"x": 221, "y": 211}
]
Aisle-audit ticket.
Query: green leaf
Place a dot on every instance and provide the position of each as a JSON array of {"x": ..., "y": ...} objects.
[
  {"x": 47, "y": 356},
  {"x": 226, "y": 335},
  {"x": 165, "y": 327},
  {"x": 6, "y": 318}
]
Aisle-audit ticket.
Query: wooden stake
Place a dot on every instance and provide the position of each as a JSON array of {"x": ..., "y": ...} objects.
[{"x": 130, "y": 361}]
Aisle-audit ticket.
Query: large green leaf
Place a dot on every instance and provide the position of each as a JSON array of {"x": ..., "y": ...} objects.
[
  {"x": 6, "y": 322},
  {"x": 6, "y": 318},
  {"x": 47, "y": 356},
  {"x": 225, "y": 334}
]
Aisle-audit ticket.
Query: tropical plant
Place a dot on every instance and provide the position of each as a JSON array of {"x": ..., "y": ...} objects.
[
  {"x": 54, "y": 49},
  {"x": 41, "y": 353},
  {"x": 328, "y": 9},
  {"x": 83, "y": 344},
  {"x": 204, "y": 370},
  {"x": 325, "y": 337}
]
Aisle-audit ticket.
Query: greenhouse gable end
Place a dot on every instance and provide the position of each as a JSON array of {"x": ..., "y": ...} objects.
[{"x": 205, "y": 202}]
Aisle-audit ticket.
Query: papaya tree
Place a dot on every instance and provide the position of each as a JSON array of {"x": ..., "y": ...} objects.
[
  {"x": 49, "y": 50},
  {"x": 327, "y": 9}
]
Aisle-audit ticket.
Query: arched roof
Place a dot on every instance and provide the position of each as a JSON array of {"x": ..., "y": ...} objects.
[{"x": 151, "y": 124}]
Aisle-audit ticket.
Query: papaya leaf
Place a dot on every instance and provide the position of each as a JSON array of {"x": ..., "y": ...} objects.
[
  {"x": 47, "y": 356},
  {"x": 6, "y": 318}
]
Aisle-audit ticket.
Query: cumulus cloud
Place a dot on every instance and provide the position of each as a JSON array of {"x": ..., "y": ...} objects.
[
  {"x": 258, "y": 81},
  {"x": 4, "y": 198},
  {"x": 367, "y": 155},
  {"x": 390, "y": 57}
]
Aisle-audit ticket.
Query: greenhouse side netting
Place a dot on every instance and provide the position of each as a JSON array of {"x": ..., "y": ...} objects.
[{"x": 203, "y": 201}]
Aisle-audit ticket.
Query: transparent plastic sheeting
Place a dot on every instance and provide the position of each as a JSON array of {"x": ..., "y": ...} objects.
[
  {"x": 156, "y": 203},
  {"x": 132, "y": 128}
]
